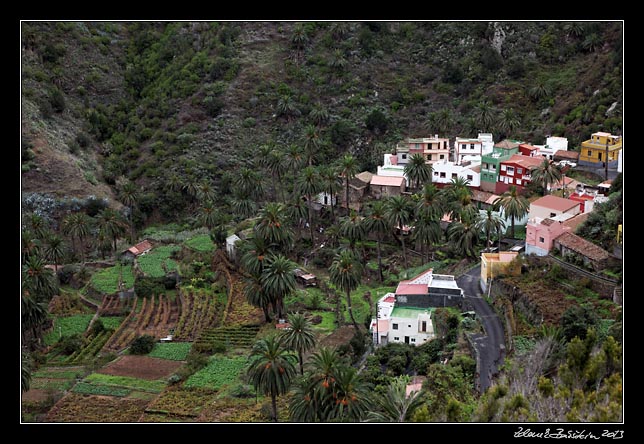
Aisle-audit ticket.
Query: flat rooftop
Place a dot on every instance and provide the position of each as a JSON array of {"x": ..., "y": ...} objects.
[{"x": 409, "y": 312}]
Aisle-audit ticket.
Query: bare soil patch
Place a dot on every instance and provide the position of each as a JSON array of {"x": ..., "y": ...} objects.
[{"x": 142, "y": 367}]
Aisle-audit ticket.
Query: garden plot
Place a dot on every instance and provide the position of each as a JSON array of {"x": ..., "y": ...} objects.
[{"x": 142, "y": 367}]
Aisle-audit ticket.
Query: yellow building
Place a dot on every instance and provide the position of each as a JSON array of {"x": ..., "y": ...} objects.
[
  {"x": 494, "y": 265},
  {"x": 595, "y": 149}
]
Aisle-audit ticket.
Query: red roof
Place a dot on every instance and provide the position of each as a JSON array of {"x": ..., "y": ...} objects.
[
  {"x": 582, "y": 246},
  {"x": 404, "y": 287},
  {"x": 140, "y": 248},
  {"x": 528, "y": 147},
  {"x": 524, "y": 161},
  {"x": 566, "y": 155},
  {"x": 388, "y": 181},
  {"x": 507, "y": 144},
  {"x": 555, "y": 203}
]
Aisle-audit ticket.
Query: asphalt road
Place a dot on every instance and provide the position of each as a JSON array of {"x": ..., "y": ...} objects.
[{"x": 491, "y": 345}]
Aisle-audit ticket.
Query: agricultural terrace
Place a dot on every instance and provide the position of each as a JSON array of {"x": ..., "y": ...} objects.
[
  {"x": 202, "y": 243},
  {"x": 221, "y": 372},
  {"x": 173, "y": 351},
  {"x": 157, "y": 263},
  {"x": 67, "y": 326},
  {"x": 106, "y": 281}
]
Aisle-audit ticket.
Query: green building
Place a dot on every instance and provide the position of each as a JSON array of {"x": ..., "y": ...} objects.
[{"x": 490, "y": 163}]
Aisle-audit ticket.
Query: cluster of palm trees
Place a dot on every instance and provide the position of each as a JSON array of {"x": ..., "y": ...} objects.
[{"x": 326, "y": 388}]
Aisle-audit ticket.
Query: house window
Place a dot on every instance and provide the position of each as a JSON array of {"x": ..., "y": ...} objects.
[
  {"x": 502, "y": 167},
  {"x": 485, "y": 166},
  {"x": 518, "y": 181},
  {"x": 541, "y": 240},
  {"x": 417, "y": 145},
  {"x": 470, "y": 177},
  {"x": 590, "y": 153},
  {"x": 510, "y": 180},
  {"x": 442, "y": 156},
  {"x": 511, "y": 171},
  {"x": 454, "y": 175},
  {"x": 423, "y": 326},
  {"x": 394, "y": 327},
  {"x": 404, "y": 156},
  {"x": 436, "y": 173},
  {"x": 413, "y": 339},
  {"x": 442, "y": 175},
  {"x": 471, "y": 146},
  {"x": 408, "y": 326},
  {"x": 396, "y": 338},
  {"x": 493, "y": 167},
  {"x": 463, "y": 146},
  {"x": 553, "y": 214},
  {"x": 519, "y": 170}
]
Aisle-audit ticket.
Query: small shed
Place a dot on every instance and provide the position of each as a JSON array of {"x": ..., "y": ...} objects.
[
  {"x": 137, "y": 250},
  {"x": 230, "y": 245},
  {"x": 304, "y": 278}
]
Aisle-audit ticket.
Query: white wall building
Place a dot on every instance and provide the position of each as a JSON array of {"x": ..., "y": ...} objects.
[
  {"x": 408, "y": 325},
  {"x": 444, "y": 172},
  {"x": 390, "y": 167},
  {"x": 487, "y": 143},
  {"x": 553, "y": 144},
  {"x": 466, "y": 147}
]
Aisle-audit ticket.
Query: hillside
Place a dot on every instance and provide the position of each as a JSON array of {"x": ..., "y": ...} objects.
[{"x": 186, "y": 102}]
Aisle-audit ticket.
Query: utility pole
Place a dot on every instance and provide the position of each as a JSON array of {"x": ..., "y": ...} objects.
[{"x": 606, "y": 162}]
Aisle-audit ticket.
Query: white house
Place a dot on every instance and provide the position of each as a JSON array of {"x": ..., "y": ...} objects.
[
  {"x": 390, "y": 167},
  {"x": 466, "y": 147},
  {"x": 230, "y": 245},
  {"x": 487, "y": 143},
  {"x": 406, "y": 315},
  {"x": 553, "y": 144},
  {"x": 444, "y": 172}
]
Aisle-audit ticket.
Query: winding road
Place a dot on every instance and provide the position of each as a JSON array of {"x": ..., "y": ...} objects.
[{"x": 491, "y": 345}]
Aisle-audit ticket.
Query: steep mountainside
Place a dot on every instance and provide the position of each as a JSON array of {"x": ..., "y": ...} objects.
[{"x": 180, "y": 103}]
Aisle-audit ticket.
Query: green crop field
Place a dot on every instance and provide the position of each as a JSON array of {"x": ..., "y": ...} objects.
[
  {"x": 111, "y": 322},
  {"x": 174, "y": 351},
  {"x": 155, "y": 386},
  {"x": 67, "y": 326},
  {"x": 219, "y": 372},
  {"x": 153, "y": 263},
  {"x": 201, "y": 243},
  {"x": 106, "y": 281}
]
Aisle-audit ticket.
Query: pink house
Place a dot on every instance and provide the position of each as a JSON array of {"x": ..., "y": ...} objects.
[{"x": 541, "y": 233}]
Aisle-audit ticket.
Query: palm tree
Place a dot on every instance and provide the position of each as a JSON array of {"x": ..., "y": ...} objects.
[
  {"x": 277, "y": 166},
  {"x": 352, "y": 396},
  {"x": 399, "y": 214},
  {"x": 330, "y": 184},
  {"x": 313, "y": 398},
  {"x": 353, "y": 229},
  {"x": 311, "y": 143},
  {"x": 319, "y": 114},
  {"x": 376, "y": 222},
  {"x": 540, "y": 90},
  {"x": 299, "y": 337},
  {"x": 395, "y": 405},
  {"x": 38, "y": 281},
  {"x": 26, "y": 365},
  {"x": 55, "y": 250},
  {"x": 77, "y": 226},
  {"x": 248, "y": 183},
  {"x": 345, "y": 273},
  {"x": 111, "y": 224},
  {"x": 484, "y": 115},
  {"x": 34, "y": 316},
  {"x": 458, "y": 198},
  {"x": 427, "y": 231},
  {"x": 278, "y": 281},
  {"x": 294, "y": 158},
  {"x": 508, "y": 122},
  {"x": 209, "y": 215},
  {"x": 271, "y": 369},
  {"x": 348, "y": 169},
  {"x": 441, "y": 121},
  {"x": 206, "y": 192},
  {"x": 429, "y": 202},
  {"x": 546, "y": 173},
  {"x": 255, "y": 252},
  {"x": 308, "y": 184},
  {"x": 490, "y": 223},
  {"x": 418, "y": 171},
  {"x": 272, "y": 226},
  {"x": 513, "y": 205},
  {"x": 39, "y": 226},
  {"x": 297, "y": 212},
  {"x": 243, "y": 206},
  {"x": 255, "y": 294},
  {"x": 30, "y": 244},
  {"x": 286, "y": 106},
  {"x": 129, "y": 196},
  {"x": 337, "y": 61},
  {"x": 463, "y": 235}
]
